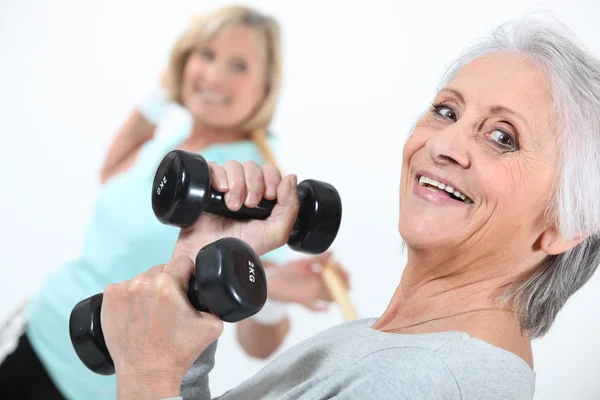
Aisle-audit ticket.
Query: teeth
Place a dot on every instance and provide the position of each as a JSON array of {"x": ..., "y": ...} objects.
[
  {"x": 423, "y": 180},
  {"x": 211, "y": 96}
]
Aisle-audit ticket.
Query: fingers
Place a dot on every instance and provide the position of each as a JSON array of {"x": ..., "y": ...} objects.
[
  {"x": 272, "y": 178},
  {"x": 341, "y": 272},
  {"x": 323, "y": 295},
  {"x": 287, "y": 191},
  {"x": 317, "y": 305},
  {"x": 313, "y": 264},
  {"x": 164, "y": 277},
  {"x": 218, "y": 177},
  {"x": 326, "y": 260},
  {"x": 255, "y": 183},
  {"x": 234, "y": 198},
  {"x": 286, "y": 210},
  {"x": 320, "y": 259},
  {"x": 247, "y": 184}
]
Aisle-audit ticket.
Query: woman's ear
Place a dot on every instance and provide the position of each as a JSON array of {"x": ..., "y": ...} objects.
[{"x": 552, "y": 243}]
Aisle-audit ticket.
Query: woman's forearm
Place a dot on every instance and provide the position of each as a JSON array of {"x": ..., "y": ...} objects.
[
  {"x": 259, "y": 340},
  {"x": 133, "y": 134}
]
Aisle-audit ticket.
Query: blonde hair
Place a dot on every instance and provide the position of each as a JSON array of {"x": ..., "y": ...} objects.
[{"x": 203, "y": 28}]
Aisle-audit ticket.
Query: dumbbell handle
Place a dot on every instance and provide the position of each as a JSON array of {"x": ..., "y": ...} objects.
[
  {"x": 216, "y": 205},
  {"x": 331, "y": 278}
]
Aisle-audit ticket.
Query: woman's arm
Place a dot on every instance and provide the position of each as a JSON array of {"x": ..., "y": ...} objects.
[
  {"x": 260, "y": 337},
  {"x": 151, "y": 329},
  {"x": 136, "y": 131},
  {"x": 297, "y": 281},
  {"x": 260, "y": 340}
]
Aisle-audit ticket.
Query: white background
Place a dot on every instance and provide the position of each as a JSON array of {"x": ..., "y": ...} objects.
[{"x": 357, "y": 73}]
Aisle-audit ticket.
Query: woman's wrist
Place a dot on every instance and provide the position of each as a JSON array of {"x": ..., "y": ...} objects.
[
  {"x": 272, "y": 313},
  {"x": 140, "y": 385},
  {"x": 189, "y": 243}
]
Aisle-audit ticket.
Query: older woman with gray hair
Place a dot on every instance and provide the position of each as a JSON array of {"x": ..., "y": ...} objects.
[{"x": 500, "y": 217}]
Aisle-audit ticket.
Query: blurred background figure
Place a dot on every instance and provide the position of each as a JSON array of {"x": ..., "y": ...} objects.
[{"x": 221, "y": 86}]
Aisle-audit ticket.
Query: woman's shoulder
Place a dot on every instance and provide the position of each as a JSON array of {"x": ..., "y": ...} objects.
[
  {"x": 480, "y": 367},
  {"x": 452, "y": 363}
]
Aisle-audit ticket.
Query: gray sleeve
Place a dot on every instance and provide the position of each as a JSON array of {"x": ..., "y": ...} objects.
[
  {"x": 483, "y": 372},
  {"x": 384, "y": 376},
  {"x": 195, "y": 382}
]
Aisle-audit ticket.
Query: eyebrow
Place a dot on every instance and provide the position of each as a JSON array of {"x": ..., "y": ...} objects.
[
  {"x": 454, "y": 92},
  {"x": 502, "y": 109},
  {"x": 494, "y": 110}
]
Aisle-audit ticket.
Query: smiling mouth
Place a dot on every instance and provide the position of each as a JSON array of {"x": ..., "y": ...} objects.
[
  {"x": 441, "y": 187},
  {"x": 210, "y": 96}
]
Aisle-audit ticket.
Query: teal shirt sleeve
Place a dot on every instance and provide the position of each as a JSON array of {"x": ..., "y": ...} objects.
[{"x": 154, "y": 106}]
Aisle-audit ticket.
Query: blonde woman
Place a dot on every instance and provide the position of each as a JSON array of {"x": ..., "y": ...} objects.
[{"x": 221, "y": 85}]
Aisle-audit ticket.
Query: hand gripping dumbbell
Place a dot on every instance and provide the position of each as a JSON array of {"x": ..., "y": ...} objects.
[
  {"x": 229, "y": 282},
  {"x": 182, "y": 190}
]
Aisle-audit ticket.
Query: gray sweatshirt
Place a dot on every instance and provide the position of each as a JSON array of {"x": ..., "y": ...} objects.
[{"x": 353, "y": 361}]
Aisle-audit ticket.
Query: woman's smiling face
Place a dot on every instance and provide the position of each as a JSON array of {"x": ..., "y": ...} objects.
[{"x": 479, "y": 169}]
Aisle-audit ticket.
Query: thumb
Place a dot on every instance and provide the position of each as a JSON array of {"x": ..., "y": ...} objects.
[
  {"x": 287, "y": 191},
  {"x": 314, "y": 264},
  {"x": 181, "y": 270},
  {"x": 286, "y": 210},
  {"x": 320, "y": 258},
  {"x": 317, "y": 305}
]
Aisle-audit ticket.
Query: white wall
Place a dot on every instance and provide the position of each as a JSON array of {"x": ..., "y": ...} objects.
[{"x": 356, "y": 75}]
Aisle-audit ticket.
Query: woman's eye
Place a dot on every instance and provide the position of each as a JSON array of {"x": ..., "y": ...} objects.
[
  {"x": 504, "y": 139},
  {"x": 445, "y": 112},
  {"x": 207, "y": 54},
  {"x": 240, "y": 66}
]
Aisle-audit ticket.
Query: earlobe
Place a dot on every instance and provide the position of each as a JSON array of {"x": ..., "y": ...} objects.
[{"x": 553, "y": 244}]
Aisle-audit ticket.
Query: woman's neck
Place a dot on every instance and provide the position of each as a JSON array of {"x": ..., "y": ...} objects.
[
  {"x": 203, "y": 136},
  {"x": 419, "y": 299},
  {"x": 446, "y": 281},
  {"x": 454, "y": 296}
]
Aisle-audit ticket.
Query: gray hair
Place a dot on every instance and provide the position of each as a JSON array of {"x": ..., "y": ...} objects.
[{"x": 574, "y": 76}]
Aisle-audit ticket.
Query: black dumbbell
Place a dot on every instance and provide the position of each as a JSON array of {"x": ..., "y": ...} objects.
[
  {"x": 182, "y": 191},
  {"x": 229, "y": 282}
]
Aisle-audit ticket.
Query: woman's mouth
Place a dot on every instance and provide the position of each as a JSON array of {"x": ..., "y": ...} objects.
[{"x": 447, "y": 189}]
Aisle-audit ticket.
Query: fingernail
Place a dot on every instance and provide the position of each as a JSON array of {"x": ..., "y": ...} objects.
[
  {"x": 294, "y": 181},
  {"x": 252, "y": 199},
  {"x": 223, "y": 185},
  {"x": 235, "y": 201},
  {"x": 271, "y": 191}
]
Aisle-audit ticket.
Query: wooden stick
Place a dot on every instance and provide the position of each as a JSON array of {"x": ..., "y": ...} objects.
[
  {"x": 338, "y": 291},
  {"x": 330, "y": 276}
]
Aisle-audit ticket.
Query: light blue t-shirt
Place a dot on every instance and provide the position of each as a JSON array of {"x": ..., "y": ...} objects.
[{"x": 123, "y": 239}]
